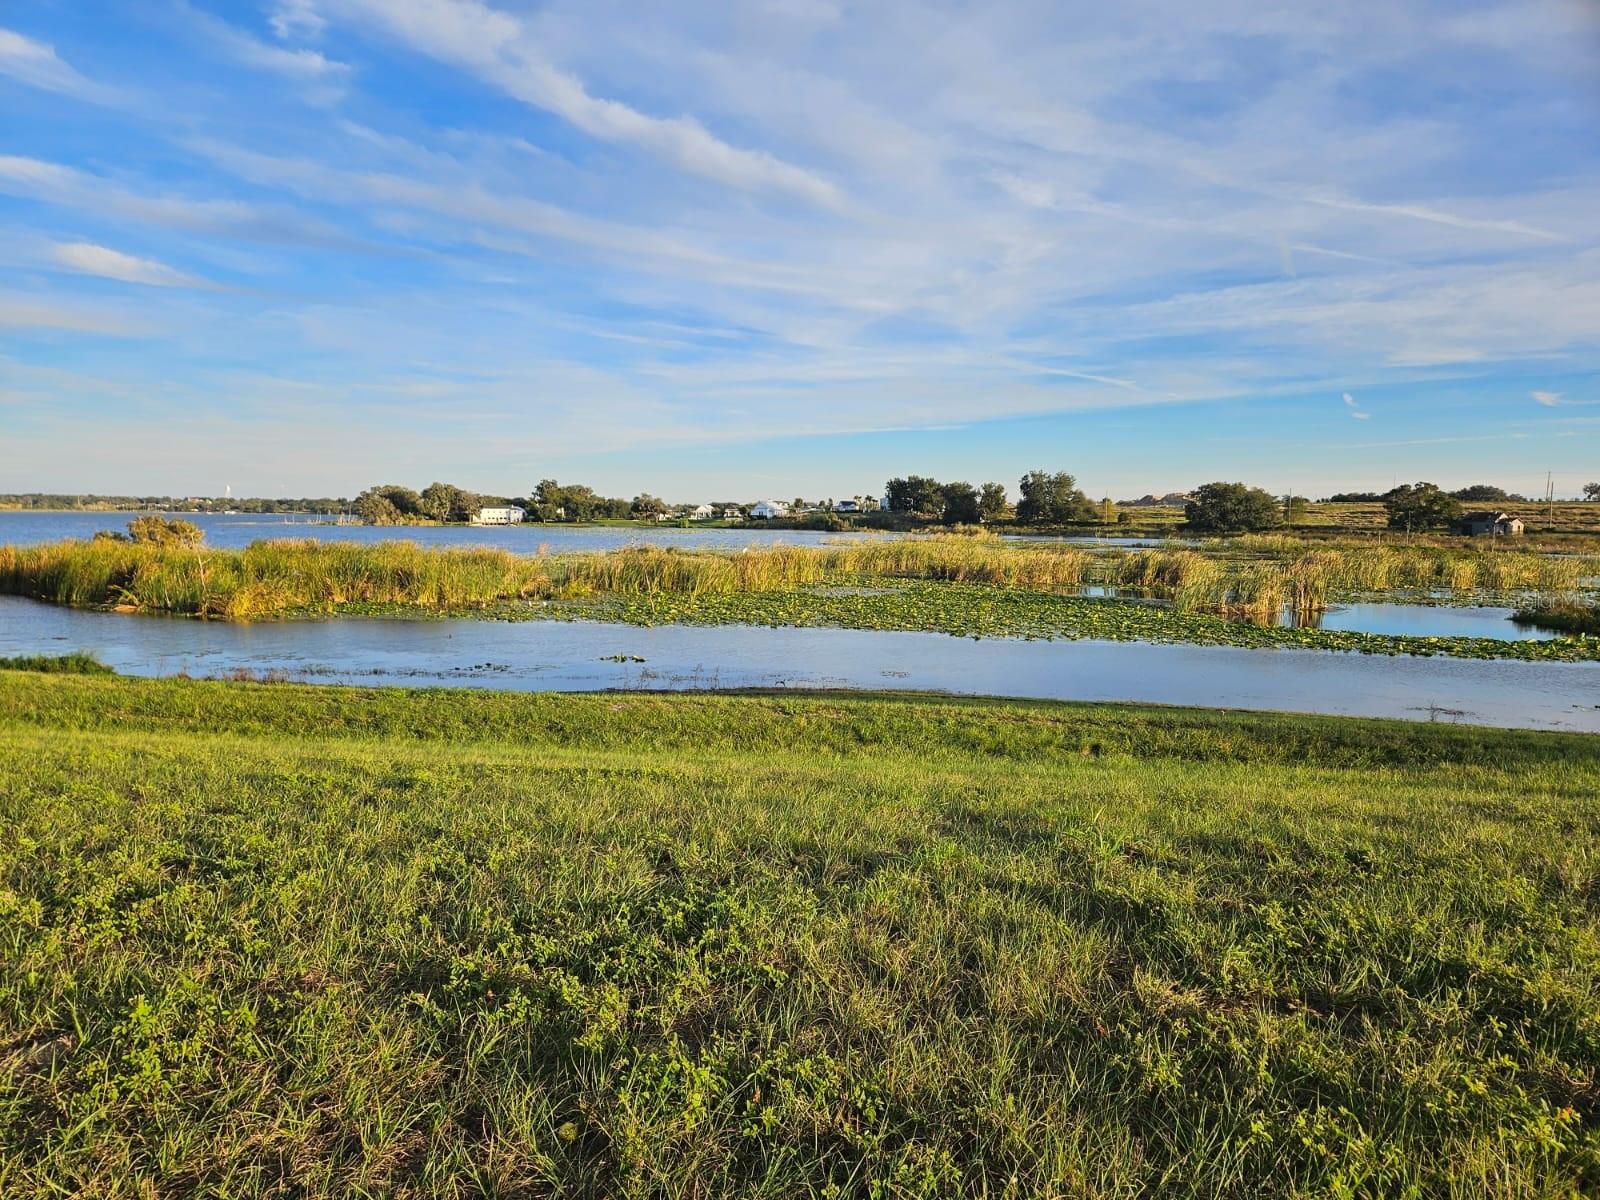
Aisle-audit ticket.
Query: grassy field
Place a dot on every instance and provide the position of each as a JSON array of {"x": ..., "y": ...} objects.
[{"x": 298, "y": 941}]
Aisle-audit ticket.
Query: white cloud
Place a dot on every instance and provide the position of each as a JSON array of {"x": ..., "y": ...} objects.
[
  {"x": 1048, "y": 218},
  {"x": 496, "y": 46},
  {"x": 23, "y": 312},
  {"x": 292, "y": 19},
  {"x": 90, "y": 259},
  {"x": 38, "y": 65},
  {"x": 322, "y": 79},
  {"x": 1548, "y": 399},
  {"x": 69, "y": 187}
]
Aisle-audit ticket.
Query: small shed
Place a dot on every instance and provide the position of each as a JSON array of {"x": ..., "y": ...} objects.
[{"x": 1489, "y": 524}]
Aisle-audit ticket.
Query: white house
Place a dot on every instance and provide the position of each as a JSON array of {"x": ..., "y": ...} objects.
[
  {"x": 702, "y": 512},
  {"x": 847, "y": 506},
  {"x": 500, "y": 516},
  {"x": 732, "y": 514},
  {"x": 764, "y": 510}
]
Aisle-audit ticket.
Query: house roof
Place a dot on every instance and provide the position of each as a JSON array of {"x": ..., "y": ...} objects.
[{"x": 1488, "y": 516}]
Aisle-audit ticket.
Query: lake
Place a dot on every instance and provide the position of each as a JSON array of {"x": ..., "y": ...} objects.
[
  {"x": 1426, "y": 620},
  {"x": 230, "y": 531},
  {"x": 581, "y": 656},
  {"x": 226, "y": 531}
]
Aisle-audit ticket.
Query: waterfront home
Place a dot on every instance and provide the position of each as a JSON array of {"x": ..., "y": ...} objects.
[
  {"x": 702, "y": 512},
  {"x": 511, "y": 515},
  {"x": 733, "y": 513},
  {"x": 847, "y": 506},
  {"x": 1489, "y": 524},
  {"x": 765, "y": 510}
]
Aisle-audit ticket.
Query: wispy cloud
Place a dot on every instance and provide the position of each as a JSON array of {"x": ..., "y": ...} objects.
[
  {"x": 24, "y": 312},
  {"x": 69, "y": 187},
  {"x": 91, "y": 259},
  {"x": 296, "y": 19},
  {"x": 1548, "y": 399},
  {"x": 38, "y": 65},
  {"x": 652, "y": 225},
  {"x": 495, "y": 45},
  {"x": 321, "y": 80}
]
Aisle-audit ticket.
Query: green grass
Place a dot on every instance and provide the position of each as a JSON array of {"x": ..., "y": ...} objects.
[
  {"x": 287, "y": 940},
  {"x": 77, "y": 663}
]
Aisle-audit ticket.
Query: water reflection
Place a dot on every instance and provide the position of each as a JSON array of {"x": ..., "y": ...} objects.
[{"x": 587, "y": 656}]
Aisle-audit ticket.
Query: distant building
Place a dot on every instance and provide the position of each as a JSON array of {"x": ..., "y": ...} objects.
[
  {"x": 1489, "y": 524},
  {"x": 1169, "y": 500},
  {"x": 702, "y": 512},
  {"x": 733, "y": 513},
  {"x": 883, "y": 504},
  {"x": 500, "y": 516},
  {"x": 847, "y": 506},
  {"x": 765, "y": 510}
]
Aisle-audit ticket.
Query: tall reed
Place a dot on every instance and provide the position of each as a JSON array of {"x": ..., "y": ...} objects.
[{"x": 275, "y": 577}]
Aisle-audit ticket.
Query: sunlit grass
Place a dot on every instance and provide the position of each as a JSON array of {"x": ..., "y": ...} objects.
[
  {"x": 1248, "y": 578},
  {"x": 313, "y": 941}
]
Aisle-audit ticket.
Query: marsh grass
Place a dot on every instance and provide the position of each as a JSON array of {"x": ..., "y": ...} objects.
[
  {"x": 1279, "y": 573},
  {"x": 274, "y": 578},
  {"x": 286, "y": 940},
  {"x": 1569, "y": 617},
  {"x": 76, "y": 663}
]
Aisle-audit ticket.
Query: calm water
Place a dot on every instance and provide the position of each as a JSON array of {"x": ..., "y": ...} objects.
[
  {"x": 570, "y": 656},
  {"x": 236, "y": 531},
  {"x": 1429, "y": 620}
]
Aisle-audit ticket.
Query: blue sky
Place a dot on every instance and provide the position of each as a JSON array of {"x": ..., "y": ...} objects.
[{"x": 797, "y": 246}]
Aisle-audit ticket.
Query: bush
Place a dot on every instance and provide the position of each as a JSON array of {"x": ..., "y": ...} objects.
[
  {"x": 1420, "y": 506},
  {"x": 1232, "y": 508}
]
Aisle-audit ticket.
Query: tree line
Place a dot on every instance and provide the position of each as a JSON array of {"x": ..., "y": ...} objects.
[
  {"x": 90, "y": 502},
  {"x": 1047, "y": 498},
  {"x": 394, "y": 504}
]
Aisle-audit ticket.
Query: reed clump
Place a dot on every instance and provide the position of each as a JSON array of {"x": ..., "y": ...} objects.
[
  {"x": 274, "y": 578},
  {"x": 1571, "y": 616},
  {"x": 967, "y": 559}
]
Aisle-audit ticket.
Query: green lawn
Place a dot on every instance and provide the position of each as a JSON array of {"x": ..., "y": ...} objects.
[{"x": 296, "y": 941}]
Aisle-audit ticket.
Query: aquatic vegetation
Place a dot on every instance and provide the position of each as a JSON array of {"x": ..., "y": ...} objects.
[
  {"x": 268, "y": 940},
  {"x": 1570, "y": 617},
  {"x": 976, "y": 585},
  {"x": 77, "y": 663},
  {"x": 969, "y": 610},
  {"x": 271, "y": 578}
]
